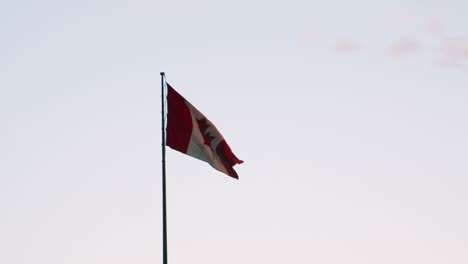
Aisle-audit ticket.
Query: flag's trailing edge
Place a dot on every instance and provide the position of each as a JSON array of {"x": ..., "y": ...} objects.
[{"x": 191, "y": 133}]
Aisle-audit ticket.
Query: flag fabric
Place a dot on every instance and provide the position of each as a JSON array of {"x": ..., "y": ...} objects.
[{"x": 191, "y": 133}]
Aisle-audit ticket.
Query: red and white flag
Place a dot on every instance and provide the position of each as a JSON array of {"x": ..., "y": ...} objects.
[{"x": 191, "y": 133}]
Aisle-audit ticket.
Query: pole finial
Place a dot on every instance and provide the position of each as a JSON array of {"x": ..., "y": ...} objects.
[{"x": 162, "y": 73}]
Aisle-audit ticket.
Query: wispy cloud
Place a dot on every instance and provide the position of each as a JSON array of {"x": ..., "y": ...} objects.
[
  {"x": 453, "y": 52},
  {"x": 435, "y": 25},
  {"x": 404, "y": 47},
  {"x": 401, "y": 19},
  {"x": 308, "y": 36},
  {"x": 346, "y": 46},
  {"x": 456, "y": 47}
]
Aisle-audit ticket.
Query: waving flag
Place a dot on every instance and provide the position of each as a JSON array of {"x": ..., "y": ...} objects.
[{"x": 191, "y": 133}]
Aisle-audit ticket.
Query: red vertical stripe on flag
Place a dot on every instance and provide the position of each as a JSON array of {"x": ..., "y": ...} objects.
[{"x": 179, "y": 121}]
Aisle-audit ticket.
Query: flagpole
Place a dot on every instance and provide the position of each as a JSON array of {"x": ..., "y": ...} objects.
[{"x": 163, "y": 152}]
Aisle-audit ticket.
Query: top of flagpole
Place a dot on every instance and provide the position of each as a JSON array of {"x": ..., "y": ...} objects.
[
  {"x": 162, "y": 73},
  {"x": 163, "y": 159}
]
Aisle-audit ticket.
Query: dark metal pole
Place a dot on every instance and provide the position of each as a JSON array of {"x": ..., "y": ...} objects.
[{"x": 163, "y": 147}]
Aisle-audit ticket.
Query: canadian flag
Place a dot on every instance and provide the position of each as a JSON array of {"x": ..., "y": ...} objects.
[{"x": 191, "y": 133}]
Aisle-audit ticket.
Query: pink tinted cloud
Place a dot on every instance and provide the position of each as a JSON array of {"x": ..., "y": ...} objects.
[
  {"x": 403, "y": 19},
  {"x": 435, "y": 25},
  {"x": 308, "y": 36},
  {"x": 456, "y": 47},
  {"x": 453, "y": 51},
  {"x": 345, "y": 45},
  {"x": 404, "y": 47}
]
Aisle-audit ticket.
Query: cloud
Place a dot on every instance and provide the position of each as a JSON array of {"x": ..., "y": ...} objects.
[
  {"x": 347, "y": 46},
  {"x": 401, "y": 19},
  {"x": 456, "y": 47},
  {"x": 308, "y": 36},
  {"x": 453, "y": 52},
  {"x": 404, "y": 47},
  {"x": 435, "y": 25}
]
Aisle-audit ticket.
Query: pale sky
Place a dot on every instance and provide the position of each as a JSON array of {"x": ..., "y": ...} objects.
[{"x": 351, "y": 117}]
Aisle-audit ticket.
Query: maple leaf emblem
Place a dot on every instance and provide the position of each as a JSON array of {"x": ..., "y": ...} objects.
[{"x": 203, "y": 125}]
